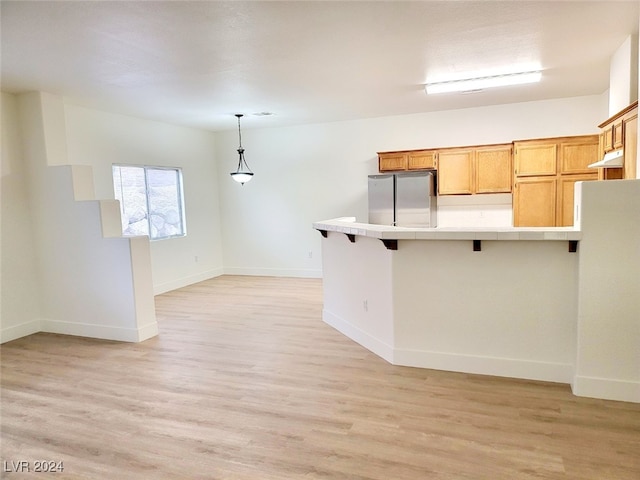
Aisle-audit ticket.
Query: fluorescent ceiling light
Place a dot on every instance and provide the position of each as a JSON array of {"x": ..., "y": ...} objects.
[{"x": 481, "y": 83}]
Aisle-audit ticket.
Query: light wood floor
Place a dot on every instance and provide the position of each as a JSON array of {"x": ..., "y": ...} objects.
[{"x": 245, "y": 381}]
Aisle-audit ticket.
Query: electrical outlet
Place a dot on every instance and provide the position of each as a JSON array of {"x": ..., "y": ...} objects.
[
  {"x": 365, "y": 304},
  {"x": 310, "y": 254},
  {"x": 195, "y": 258}
]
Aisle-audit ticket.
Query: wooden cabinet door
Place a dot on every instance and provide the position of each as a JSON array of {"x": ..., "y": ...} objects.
[
  {"x": 618, "y": 134},
  {"x": 455, "y": 169},
  {"x": 534, "y": 159},
  {"x": 630, "y": 147},
  {"x": 421, "y": 159},
  {"x": 534, "y": 202},
  {"x": 493, "y": 169},
  {"x": 608, "y": 139},
  {"x": 576, "y": 156},
  {"x": 566, "y": 187},
  {"x": 392, "y": 161}
]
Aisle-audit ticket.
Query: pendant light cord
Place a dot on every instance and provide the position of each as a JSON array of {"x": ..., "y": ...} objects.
[
  {"x": 239, "y": 132},
  {"x": 241, "y": 158}
]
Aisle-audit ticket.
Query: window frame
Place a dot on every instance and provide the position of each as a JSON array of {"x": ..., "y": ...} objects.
[{"x": 179, "y": 196}]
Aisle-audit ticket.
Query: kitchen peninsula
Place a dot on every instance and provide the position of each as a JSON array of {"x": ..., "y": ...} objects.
[{"x": 553, "y": 304}]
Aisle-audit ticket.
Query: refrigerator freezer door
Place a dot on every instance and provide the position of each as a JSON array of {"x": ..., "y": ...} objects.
[
  {"x": 381, "y": 199},
  {"x": 415, "y": 200}
]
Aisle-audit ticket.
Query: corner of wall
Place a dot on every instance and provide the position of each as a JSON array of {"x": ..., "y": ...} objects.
[
  {"x": 55, "y": 132},
  {"x": 635, "y": 63},
  {"x": 110, "y": 218},
  {"x": 20, "y": 304},
  {"x": 143, "y": 287},
  {"x": 82, "y": 176},
  {"x": 22, "y": 330}
]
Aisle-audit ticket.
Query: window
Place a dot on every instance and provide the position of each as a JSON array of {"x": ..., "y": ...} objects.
[{"x": 151, "y": 201}]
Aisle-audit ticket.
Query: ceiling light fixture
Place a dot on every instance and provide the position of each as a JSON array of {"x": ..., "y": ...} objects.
[
  {"x": 480, "y": 83},
  {"x": 243, "y": 173}
]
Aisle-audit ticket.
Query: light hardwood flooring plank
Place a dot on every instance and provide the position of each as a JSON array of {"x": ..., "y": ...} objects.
[{"x": 245, "y": 381}]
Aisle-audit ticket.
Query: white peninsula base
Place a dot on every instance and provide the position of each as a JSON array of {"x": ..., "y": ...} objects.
[{"x": 521, "y": 305}]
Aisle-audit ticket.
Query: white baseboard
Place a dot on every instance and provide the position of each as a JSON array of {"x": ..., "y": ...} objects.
[
  {"x": 275, "y": 272},
  {"x": 369, "y": 342},
  {"x": 18, "y": 331},
  {"x": 96, "y": 331},
  {"x": 184, "y": 281},
  {"x": 147, "y": 331},
  {"x": 497, "y": 366},
  {"x": 606, "y": 388},
  {"x": 453, "y": 362},
  {"x": 79, "y": 330}
]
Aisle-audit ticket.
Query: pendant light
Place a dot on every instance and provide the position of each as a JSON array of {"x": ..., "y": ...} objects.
[{"x": 243, "y": 173}]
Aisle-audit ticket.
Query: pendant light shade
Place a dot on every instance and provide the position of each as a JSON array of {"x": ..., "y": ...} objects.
[{"x": 243, "y": 173}]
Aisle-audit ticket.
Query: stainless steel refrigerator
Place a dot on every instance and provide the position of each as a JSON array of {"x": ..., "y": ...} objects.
[{"x": 403, "y": 199}]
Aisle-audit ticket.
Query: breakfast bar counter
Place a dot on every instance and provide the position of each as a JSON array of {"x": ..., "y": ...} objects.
[
  {"x": 389, "y": 235},
  {"x": 554, "y": 304}
]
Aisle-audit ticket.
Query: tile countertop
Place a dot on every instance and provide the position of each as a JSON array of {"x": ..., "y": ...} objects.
[{"x": 348, "y": 225}]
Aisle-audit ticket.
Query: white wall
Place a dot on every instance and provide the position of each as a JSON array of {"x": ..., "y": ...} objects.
[
  {"x": 487, "y": 210},
  {"x": 623, "y": 76},
  {"x": 20, "y": 305},
  {"x": 314, "y": 172},
  {"x": 608, "y": 353},
  {"x": 357, "y": 291},
  {"x": 87, "y": 283},
  {"x": 508, "y": 310},
  {"x": 60, "y": 274},
  {"x": 623, "y": 80},
  {"x": 101, "y": 139}
]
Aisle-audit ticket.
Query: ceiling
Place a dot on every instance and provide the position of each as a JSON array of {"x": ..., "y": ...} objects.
[{"x": 199, "y": 63}]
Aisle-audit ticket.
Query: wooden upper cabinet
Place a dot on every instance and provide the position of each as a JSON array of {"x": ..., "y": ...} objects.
[
  {"x": 407, "y": 160},
  {"x": 551, "y": 156},
  {"x": 493, "y": 169},
  {"x": 461, "y": 170},
  {"x": 534, "y": 158},
  {"x": 534, "y": 202},
  {"x": 575, "y": 156},
  {"x": 464, "y": 171},
  {"x": 620, "y": 131},
  {"x": 421, "y": 159},
  {"x": 390, "y": 161},
  {"x": 455, "y": 171}
]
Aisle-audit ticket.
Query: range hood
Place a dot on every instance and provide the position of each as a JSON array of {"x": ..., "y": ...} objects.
[{"x": 611, "y": 160}]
